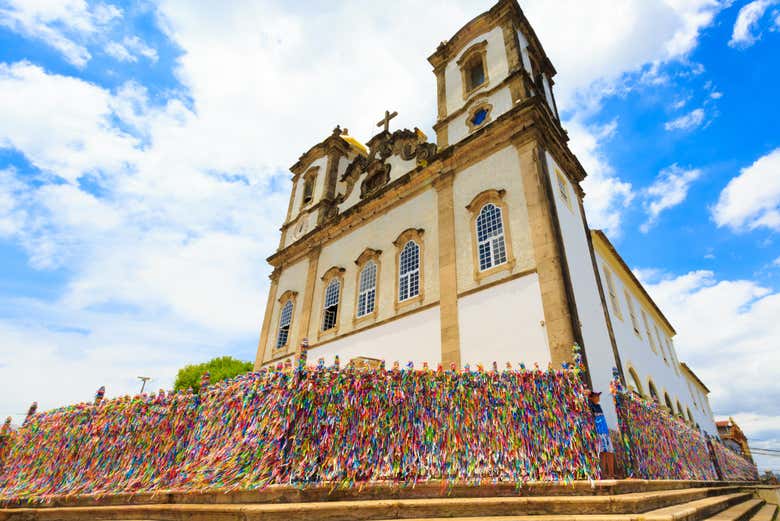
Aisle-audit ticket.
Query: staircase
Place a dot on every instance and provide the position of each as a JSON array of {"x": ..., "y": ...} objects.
[{"x": 623, "y": 500}]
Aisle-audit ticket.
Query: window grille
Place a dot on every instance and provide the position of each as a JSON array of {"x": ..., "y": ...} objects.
[
  {"x": 490, "y": 237},
  {"x": 409, "y": 272},
  {"x": 367, "y": 290},
  {"x": 285, "y": 318},
  {"x": 331, "y": 304}
]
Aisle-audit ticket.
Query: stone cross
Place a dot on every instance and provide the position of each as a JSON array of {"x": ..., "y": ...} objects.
[{"x": 386, "y": 120}]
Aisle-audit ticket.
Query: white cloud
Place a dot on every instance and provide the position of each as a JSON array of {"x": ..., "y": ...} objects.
[
  {"x": 687, "y": 122},
  {"x": 752, "y": 199},
  {"x": 777, "y": 262},
  {"x": 669, "y": 189},
  {"x": 129, "y": 50},
  {"x": 744, "y": 34},
  {"x": 734, "y": 358},
  {"x": 606, "y": 195},
  {"x": 167, "y": 250},
  {"x": 61, "y": 24}
]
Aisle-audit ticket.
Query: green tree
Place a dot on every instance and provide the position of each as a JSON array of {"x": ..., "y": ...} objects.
[{"x": 220, "y": 369}]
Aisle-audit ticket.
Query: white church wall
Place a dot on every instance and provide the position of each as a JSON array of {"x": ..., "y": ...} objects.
[
  {"x": 499, "y": 171},
  {"x": 503, "y": 323},
  {"x": 636, "y": 351},
  {"x": 524, "y": 52},
  {"x": 497, "y": 67},
  {"x": 501, "y": 101},
  {"x": 595, "y": 333},
  {"x": 322, "y": 164},
  {"x": 418, "y": 212},
  {"x": 416, "y": 338},
  {"x": 292, "y": 278}
]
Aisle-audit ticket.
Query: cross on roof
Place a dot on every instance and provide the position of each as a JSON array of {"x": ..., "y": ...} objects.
[{"x": 386, "y": 120}]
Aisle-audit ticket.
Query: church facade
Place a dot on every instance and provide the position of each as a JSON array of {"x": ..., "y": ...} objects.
[{"x": 469, "y": 250}]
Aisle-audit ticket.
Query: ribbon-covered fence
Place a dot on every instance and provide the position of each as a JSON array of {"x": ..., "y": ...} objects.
[
  {"x": 312, "y": 425},
  {"x": 657, "y": 444},
  {"x": 732, "y": 466}
]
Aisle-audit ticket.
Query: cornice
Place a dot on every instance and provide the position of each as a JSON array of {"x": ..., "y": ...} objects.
[{"x": 526, "y": 121}]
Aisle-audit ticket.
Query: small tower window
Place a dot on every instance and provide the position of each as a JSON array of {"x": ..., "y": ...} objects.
[
  {"x": 308, "y": 190},
  {"x": 473, "y": 68},
  {"x": 476, "y": 72},
  {"x": 479, "y": 117},
  {"x": 285, "y": 319},
  {"x": 331, "y": 308}
]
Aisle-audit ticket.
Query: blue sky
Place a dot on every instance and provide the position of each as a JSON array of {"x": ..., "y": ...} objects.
[{"x": 144, "y": 150}]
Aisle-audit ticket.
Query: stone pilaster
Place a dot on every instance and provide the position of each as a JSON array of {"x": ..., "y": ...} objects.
[{"x": 448, "y": 271}]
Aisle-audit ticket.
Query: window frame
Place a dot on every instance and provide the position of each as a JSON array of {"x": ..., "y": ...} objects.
[
  {"x": 286, "y": 297},
  {"x": 612, "y": 292},
  {"x": 632, "y": 313},
  {"x": 649, "y": 333},
  {"x": 478, "y": 50},
  {"x": 334, "y": 273},
  {"x": 480, "y": 105},
  {"x": 652, "y": 391},
  {"x": 475, "y": 207},
  {"x": 368, "y": 255},
  {"x": 309, "y": 177},
  {"x": 636, "y": 381},
  {"x": 400, "y": 243},
  {"x": 564, "y": 189}
]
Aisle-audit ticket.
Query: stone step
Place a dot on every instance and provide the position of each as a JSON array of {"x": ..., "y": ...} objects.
[
  {"x": 368, "y": 510},
  {"x": 320, "y": 493},
  {"x": 767, "y": 512},
  {"x": 699, "y": 509},
  {"x": 739, "y": 512}
]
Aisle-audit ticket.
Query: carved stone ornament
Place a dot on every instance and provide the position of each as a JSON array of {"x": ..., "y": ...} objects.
[{"x": 408, "y": 144}]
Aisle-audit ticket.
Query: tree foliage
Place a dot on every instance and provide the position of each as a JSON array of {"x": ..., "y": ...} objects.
[{"x": 220, "y": 369}]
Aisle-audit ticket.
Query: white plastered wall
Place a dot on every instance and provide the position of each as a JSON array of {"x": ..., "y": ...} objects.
[
  {"x": 636, "y": 353},
  {"x": 418, "y": 212},
  {"x": 499, "y": 171},
  {"x": 414, "y": 338},
  {"x": 497, "y": 67},
  {"x": 503, "y": 323},
  {"x": 292, "y": 278},
  {"x": 501, "y": 101},
  {"x": 595, "y": 333}
]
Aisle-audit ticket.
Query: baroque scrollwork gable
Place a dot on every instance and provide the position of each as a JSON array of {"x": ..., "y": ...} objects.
[{"x": 374, "y": 169}]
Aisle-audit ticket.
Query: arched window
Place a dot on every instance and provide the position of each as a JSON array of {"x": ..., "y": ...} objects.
[
  {"x": 473, "y": 68},
  {"x": 635, "y": 382},
  {"x": 308, "y": 185},
  {"x": 490, "y": 237},
  {"x": 490, "y": 233},
  {"x": 679, "y": 410},
  {"x": 285, "y": 319},
  {"x": 367, "y": 289},
  {"x": 409, "y": 271},
  {"x": 690, "y": 416},
  {"x": 668, "y": 402},
  {"x": 653, "y": 391},
  {"x": 330, "y": 311}
]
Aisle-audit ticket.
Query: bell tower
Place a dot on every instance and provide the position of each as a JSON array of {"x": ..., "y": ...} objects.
[{"x": 491, "y": 64}]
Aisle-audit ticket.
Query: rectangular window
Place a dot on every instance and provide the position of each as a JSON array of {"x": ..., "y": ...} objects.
[
  {"x": 661, "y": 345},
  {"x": 331, "y": 308},
  {"x": 613, "y": 298},
  {"x": 650, "y": 338},
  {"x": 563, "y": 188},
  {"x": 409, "y": 272},
  {"x": 632, "y": 313},
  {"x": 367, "y": 295}
]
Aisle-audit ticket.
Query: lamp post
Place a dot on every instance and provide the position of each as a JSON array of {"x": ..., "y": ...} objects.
[{"x": 143, "y": 379}]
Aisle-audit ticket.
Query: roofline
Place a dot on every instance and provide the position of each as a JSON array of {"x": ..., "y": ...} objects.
[
  {"x": 690, "y": 372},
  {"x": 602, "y": 236}
]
